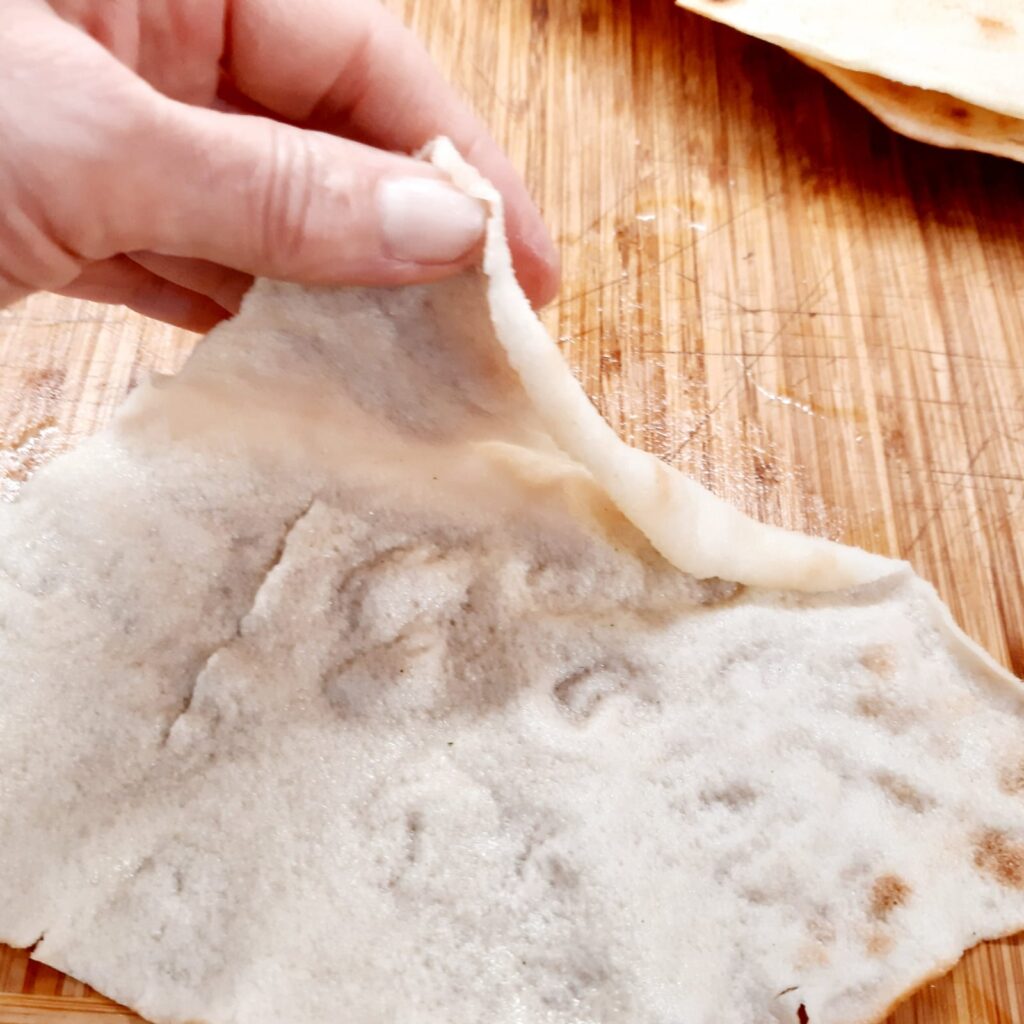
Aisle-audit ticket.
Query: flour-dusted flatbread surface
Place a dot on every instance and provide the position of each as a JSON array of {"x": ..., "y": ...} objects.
[
  {"x": 972, "y": 49},
  {"x": 358, "y": 673},
  {"x": 933, "y": 117}
]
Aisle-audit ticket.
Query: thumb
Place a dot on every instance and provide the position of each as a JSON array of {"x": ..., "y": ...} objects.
[{"x": 279, "y": 201}]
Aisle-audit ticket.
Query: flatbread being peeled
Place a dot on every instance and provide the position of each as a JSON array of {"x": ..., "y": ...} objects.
[{"x": 359, "y": 672}]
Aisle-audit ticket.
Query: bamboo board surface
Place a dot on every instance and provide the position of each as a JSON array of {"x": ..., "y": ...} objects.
[{"x": 823, "y": 321}]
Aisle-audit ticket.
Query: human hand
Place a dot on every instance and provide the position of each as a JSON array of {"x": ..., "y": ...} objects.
[{"x": 160, "y": 154}]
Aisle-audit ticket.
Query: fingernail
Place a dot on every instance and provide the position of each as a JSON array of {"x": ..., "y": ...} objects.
[{"x": 427, "y": 221}]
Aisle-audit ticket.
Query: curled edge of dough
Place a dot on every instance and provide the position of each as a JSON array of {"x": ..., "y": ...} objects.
[
  {"x": 695, "y": 530},
  {"x": 692, "y": 528}
]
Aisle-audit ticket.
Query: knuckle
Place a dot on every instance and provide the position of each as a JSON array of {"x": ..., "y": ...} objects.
[{"x": 284, "y": 196}]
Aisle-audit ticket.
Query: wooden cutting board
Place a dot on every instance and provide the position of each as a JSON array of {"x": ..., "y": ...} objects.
[{"x": 821, "y": 320}]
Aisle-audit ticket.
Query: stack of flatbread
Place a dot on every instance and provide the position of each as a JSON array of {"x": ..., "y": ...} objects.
[
  {"x": 949, "y": 73},
  {"x": 361, "y": 673}
]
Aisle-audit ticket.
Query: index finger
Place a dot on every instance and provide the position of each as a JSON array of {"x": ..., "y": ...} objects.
[{"x": 352, "y": 67}]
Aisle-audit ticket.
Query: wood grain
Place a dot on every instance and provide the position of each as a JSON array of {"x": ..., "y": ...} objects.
[{"x": 821, "y": 320}]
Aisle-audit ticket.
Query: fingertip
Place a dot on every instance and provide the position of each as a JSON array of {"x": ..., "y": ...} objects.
[
  {"x": 534, "y": 256},
  {"x": 535, "y": 259},
  {"x": 540, "y": 274}
]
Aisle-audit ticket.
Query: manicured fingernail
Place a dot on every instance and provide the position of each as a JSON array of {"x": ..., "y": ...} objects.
[{"x": 427, "y": 221}]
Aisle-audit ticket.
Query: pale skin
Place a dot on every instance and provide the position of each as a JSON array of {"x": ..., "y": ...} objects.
[{"x": 159, "y": 153}]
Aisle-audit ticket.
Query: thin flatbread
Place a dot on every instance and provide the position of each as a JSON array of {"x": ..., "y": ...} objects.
[
  {"x": 933, "y": 117},
  {"x": 359, "y": 672},
  {"x": 971, "y": 49}
]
